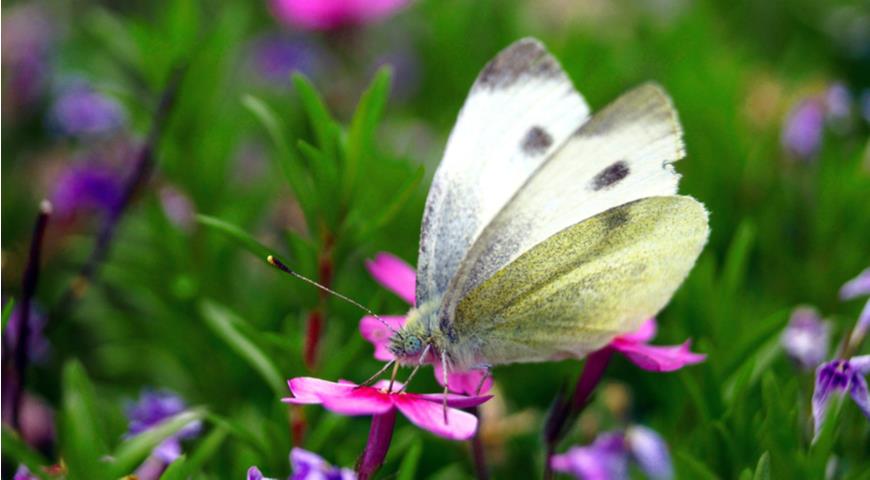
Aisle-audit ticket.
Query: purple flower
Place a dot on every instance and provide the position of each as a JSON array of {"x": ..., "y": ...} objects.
[
  {"x": 177, "y": 207},
  {"x": 81, "y": 111},
  {"x": 152, "y": 408},
  {"x": 90, "y": 186},
  {"x": 806, "y": 338},
  {"x": 838, "y": 102},
  {"x": 609, "y": 455},
  {"x": 406, "y": 71},
  {"x": 23, "y": 473},
  {"x": 28, "y": 37},
  {"x": 841, "y": 376},
  {"x": 859, "y": 286},
  {"x": 308, "y": 466},
  {"x": 37, "y": 345},
  {"x": 276, "y": 57},
  {"x": 802, "y": 132}
]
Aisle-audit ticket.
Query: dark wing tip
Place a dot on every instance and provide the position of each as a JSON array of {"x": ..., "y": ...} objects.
[{"x": 526, "y": 57}]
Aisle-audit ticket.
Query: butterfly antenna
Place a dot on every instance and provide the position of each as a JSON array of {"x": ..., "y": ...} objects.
[{"x": 284, "y": 268}]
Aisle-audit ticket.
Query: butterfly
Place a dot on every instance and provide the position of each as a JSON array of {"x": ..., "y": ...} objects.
[{"x": 548, "y": 231}]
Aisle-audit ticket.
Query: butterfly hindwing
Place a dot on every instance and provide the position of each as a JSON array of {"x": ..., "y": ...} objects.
[
  {"x": 623, "y": 153},
  {"x": 575, "y": 291},
  {"x": 520, "y": 109}
]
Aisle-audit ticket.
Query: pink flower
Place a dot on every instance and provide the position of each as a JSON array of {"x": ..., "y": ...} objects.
[
  {"x": 423, "y": 410},
  {"x": 331, "y": 14},
  {"x": 398, "y": 277},
  {"x": 635, "y": 346}
]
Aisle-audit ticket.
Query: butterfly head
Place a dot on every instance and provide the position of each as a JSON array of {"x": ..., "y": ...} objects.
[{"x": 411, "y": 341}]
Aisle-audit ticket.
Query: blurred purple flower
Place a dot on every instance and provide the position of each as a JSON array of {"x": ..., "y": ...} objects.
[
  {"x": 308, "y": 466},
  {"x": 838, "y": 103},
  {"x": 177, "y": 207},
  {"x": 802, "y": 132},
  {"x": 23, "y": 473},
  {"x": 81, "y": 111},
  {"x": 86, "y": 187},
  {"x": 276, "y": 57},
  {"x": 28, "y": 37},
  {"x": 609, "y": 455},
  {"x": 37, "y": 345},
  {"x": 333, "y": 14},
  {"x": 806, "y": 338},
  {"x": 152, "y": 408},
  {"x": 841, "y": 376},
  {"x": 406, "y": 71},
  {"x": 859, "y": 286}
]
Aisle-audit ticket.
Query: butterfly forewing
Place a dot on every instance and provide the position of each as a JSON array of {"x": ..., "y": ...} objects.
[
  {"x": 623, "y": 153},
  {"x": 520, "y": 109},
  {"x": 574, "y": 292}
]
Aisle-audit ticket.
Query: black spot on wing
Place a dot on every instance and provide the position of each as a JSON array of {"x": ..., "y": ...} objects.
[
  {"x": 526, "y": 57},
  {"x": 536, "y": 141},
  {"x": 610, "y": 176}
]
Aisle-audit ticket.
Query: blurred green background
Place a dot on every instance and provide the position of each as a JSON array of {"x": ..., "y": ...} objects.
[{"x": 790, "y": 223}]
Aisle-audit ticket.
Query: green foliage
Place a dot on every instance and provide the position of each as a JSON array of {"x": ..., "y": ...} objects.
[{"x": 330, "y": 165}]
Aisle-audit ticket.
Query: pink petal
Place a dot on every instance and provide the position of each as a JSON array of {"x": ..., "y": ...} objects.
[
  {"x": 379, "y": 335},
  {"x": 454, "y": 400},
  {"x": 430, "y": 416},
  {"x": 658, "y": 358},
  {"x": 464, "y": 382},
  {"x": 645, "y": 333},
  {"x": 328, "y": 14},
  {"x": 394, "y": 274},
  {"x": 360, "y": 401},
  {"x": 308, "y": 390}
]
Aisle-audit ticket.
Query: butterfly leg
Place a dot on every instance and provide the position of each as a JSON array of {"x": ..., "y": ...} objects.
[
  {"x": 417, "y": 367},
  {"x": 444, "y": 378},
  {"x": 374, "y": 377},
  {"x": 487, "y": 373}
]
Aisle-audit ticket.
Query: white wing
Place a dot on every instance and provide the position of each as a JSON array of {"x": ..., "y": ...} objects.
[
  {"x": 521, "y": 108},
  {"x": 623, "y": 153}
]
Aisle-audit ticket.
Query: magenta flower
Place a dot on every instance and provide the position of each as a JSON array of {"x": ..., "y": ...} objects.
[
  {"x": 423, "y": 410},
  {"x": 333, "y": 14},
  {"x": 308, "y": 466},
  {"x": 655, "y": 358},
  {"x": 841, "y": 376},
  {"x": 806, "y": 338},
  {"x": 398, "y": 277},
  {"x": 608, "y": 457}
]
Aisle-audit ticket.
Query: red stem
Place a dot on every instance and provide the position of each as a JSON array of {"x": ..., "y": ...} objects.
[{"x": 380, "y": 436}]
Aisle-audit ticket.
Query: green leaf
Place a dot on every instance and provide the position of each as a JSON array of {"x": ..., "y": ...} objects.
[
  {"x": 408, "y": 467},
  {"x": 236, "y": 233},
  {"x": 695, "y": 468},
  {"x": 325, "y": 128},
  {"x": 206, "y": 449},
  {"x": 395, "y": 206},
  {"x": 221, "y": 321},
  {"x": 290, "y": 164},
  {"x": 238, "y": 430},
  {"x": 762, "y": 470},
  {"x": 177, "y": 470},
  {"x": 18, "y": 451},
  {"x": 134, "y": 451},
  {"x": 81, "y": 442},
  {"x": 363, "y": 126},
  {"x": 737, "y": 258},
  {"x": 7, "y": 312}
]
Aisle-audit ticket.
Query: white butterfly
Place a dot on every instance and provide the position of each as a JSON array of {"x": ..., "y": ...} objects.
[{"x": 548, "y": 232}]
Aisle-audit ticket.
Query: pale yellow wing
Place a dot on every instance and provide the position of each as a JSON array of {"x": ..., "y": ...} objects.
[{"x": 574, "y": 292}]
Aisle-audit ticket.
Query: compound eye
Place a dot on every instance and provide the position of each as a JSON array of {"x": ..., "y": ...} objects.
[{"x": 413, "y": 345}]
